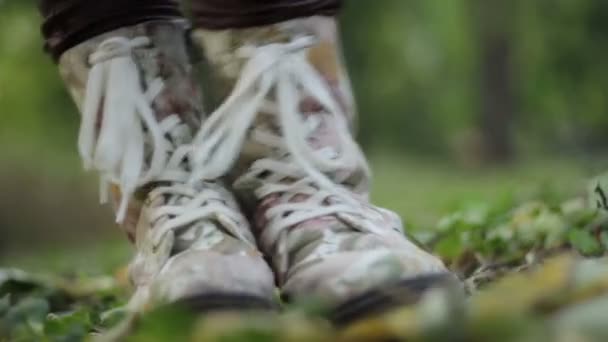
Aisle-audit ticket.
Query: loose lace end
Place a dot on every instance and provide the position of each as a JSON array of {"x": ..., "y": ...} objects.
[{"x": 114, "y": 144}]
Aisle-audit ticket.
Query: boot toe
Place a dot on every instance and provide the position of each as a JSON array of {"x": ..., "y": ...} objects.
[
  {"x": 345, "y": 275},
  {"x": 207, "y": 274}
]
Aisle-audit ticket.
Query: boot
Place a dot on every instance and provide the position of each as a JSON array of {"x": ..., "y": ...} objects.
[
  {"x": 283, "y": 137},
  {"x": 140, "y": 106}
]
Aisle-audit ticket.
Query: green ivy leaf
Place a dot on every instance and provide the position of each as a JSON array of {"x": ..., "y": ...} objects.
[
  {"x": 5, "y": 304},
  {"x": 112, "y": 317},
  {"x": 26, "y": 318},
  {"x": 68, "y": 326},
  {"x": 604, "y": 240},
  {"x": 584, "y": 242}
]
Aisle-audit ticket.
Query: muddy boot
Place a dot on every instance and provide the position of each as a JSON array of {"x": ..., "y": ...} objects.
[
  {"x": 300, "y": 174},
  {"x": 140, "y": 106}
]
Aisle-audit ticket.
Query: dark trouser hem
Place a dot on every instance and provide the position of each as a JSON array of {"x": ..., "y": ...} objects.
[
  {"x": 68, "y": 23},
  {"x": 226, "y": 14}
]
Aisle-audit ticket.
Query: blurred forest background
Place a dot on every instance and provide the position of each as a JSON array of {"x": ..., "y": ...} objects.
[{"x": 460, "y": 101}]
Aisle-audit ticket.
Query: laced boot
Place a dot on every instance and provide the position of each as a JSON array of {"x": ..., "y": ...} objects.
[
  {"x": 282, "y": 135},
  {"x": 140, "y": 105}
]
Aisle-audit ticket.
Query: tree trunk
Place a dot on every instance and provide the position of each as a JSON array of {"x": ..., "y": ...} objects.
[{"x": 496, "y": 85}]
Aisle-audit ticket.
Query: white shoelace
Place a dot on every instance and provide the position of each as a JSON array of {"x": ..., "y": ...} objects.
[
  {"x": 284, "y": 69},
  {"x": 207, "y": 204},
  {"x": 116, "y": 150},
  {"x": 128, "y": 124}
]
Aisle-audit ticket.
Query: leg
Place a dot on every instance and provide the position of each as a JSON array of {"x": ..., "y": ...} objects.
[
  {"x": 70, "y": 22},
  {"x": 126, "y": 66},
  {"x": 226, "y": 14},
  {"x": 286, "y": 94}
]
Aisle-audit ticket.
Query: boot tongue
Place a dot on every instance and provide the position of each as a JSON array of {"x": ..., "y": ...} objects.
[
  {"x": 220, "y": 222},
  {"x": 202, "y": 235},
  {"x": 322, "y": 138}
]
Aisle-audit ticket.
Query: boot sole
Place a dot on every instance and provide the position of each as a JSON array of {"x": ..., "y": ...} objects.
[
  {"x": 213, "y": 302},
  {"x": 382, "y": 299}
]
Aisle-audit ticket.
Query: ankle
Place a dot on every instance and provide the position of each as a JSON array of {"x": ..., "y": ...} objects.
[{"x": 223, "y": 63}]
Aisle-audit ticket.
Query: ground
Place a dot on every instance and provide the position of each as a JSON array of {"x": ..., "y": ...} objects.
[{"x": 528, "y": 241}]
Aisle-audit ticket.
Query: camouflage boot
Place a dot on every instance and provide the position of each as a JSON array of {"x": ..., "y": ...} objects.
[
  {"x": 300, "y": 174},
  {"x": 139, "y": 103}
]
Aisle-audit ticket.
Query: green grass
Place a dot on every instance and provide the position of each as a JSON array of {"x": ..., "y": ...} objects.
[
  {"x": 423, "y": 191},
  {"x": 92, "y": 258}
]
